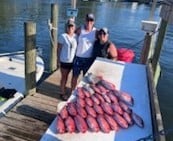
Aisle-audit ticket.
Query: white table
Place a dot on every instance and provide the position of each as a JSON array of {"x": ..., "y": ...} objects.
[{"x": 128, "y": 77}]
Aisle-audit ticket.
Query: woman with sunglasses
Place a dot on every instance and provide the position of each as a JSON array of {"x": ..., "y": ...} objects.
[
  {"x": 66, "y": 51},
  {"x": 103, "y": 47},
  {"x": 86, "y": 37}
]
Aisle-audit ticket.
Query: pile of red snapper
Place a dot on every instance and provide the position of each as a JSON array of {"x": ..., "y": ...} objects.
[{"x": 98, "y": 106}]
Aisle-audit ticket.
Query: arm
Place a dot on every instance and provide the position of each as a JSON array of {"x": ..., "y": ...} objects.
[
  {"x": 59, "y": 46},
  {"x": 78, "y": 31},
  {"x": 97, "y": 35},
  {"x": 112, "y": 50},
  {"x": 94, "y": 52}
]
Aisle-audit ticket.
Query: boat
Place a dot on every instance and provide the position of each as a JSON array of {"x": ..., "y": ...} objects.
[{"x": 12, "y": 79}]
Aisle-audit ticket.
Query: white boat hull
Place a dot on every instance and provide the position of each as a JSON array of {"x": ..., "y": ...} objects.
[
  {"x": 12, "y": 71},
  {"x": 12, "y": 76}
]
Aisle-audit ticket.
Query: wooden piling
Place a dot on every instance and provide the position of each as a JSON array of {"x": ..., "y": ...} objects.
[
  {"x": 30, "y": 57},
  {"x": 166, "y": 15},
  {"x": 159, "y": 42},
  {"x": 154, "y": 104},
  {"x": 73, "y": 4},
  {"x": 145, "y": 49},
  {"x": 54, "y": 30}
]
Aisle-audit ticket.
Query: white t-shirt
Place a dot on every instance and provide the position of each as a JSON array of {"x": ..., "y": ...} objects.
[
  {"x": 68, "y": 49},
  {"x": 85, "y": 43}
]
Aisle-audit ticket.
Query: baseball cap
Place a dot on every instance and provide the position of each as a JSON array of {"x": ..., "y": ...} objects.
[
  {"x": 90, "y": 16},
  {"x": 70, "y": 22},
  {"x": 104, "y": 29}
]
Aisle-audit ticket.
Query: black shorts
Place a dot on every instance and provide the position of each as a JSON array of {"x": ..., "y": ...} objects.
[{"x": 66, "y": 65}]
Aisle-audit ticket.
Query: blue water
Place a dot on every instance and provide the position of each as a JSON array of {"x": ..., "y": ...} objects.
[{"x": 122, "y": 19}]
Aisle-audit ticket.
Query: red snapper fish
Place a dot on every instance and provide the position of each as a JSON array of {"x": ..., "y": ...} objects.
[
  {"x": 80, "y": 124},
  {"x": 124, "y": 96},
  {"x": 60, "y": 126},
  {"x": 108, "y": 85},
  {"x": 92, "y": 79},
  {"x": 137, "y": 120},
  {"x": 104, "y": 126},
  {"x": 70, "y": 124},
  {"x": 92, "y": 123}
]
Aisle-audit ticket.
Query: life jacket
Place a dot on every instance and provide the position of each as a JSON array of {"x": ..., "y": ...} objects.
[{"x": 7, "y": 93}]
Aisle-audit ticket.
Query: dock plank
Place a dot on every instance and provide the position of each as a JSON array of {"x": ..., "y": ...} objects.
[
  {"x": 24, "y": 123},
  {"x": 31, "y": 117},
  {"x": 42, "y": 105},
  {"x": 16, "y": 132},
  {"x": 7, "y": 137},
  {"x": 35, "y": 111}
]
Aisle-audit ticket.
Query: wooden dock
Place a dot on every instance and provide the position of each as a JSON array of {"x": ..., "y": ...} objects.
[{"x": 30, "y": 118}]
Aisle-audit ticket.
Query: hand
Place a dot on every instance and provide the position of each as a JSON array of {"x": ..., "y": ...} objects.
[{"x": 58, "y": 64}]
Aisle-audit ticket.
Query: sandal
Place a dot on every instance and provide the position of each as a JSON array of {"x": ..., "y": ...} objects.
[{"x": 64, "y": 97}]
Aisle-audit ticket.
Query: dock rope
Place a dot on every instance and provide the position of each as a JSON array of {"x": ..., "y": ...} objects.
[
  {"x": 50, "y": 27},
  {"x": 134, "y": 45}
]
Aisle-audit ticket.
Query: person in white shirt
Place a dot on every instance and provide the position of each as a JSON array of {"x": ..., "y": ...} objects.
[
  {"x": 67, "y": 45},
  {"x": 83, "y": 59}
]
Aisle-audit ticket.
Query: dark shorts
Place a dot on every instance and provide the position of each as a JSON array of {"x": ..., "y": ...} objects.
[
  {"x": 67, "y": 65},
  {"x": 81, "y": 64}
]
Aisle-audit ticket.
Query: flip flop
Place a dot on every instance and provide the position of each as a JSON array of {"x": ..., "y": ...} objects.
[{"x": 64, "y": 97}]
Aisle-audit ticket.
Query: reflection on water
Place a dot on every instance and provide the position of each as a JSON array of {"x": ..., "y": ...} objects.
[
  {"x": 164, "y": 89},
  {"x": 122, "y": 19},
  {"x": 165, "y": 84},
  {"x": 167, "y": 50}
]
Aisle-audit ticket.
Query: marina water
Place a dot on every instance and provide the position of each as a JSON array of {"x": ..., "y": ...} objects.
[{"x": 123, "y": 19}]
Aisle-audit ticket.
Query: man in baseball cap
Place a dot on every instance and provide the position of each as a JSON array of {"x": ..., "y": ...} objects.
[
  {"x": 90, "y": 17},
  {"x": 86, "y": 37}
]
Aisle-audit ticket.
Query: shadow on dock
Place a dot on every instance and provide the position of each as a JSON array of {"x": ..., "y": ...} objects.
[{"x": 31, "y": 117}]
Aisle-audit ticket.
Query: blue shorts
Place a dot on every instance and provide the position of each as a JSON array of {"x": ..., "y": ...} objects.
[{"x": 81, "y": 64}]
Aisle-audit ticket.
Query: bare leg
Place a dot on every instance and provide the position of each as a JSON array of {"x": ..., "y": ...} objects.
[
  {"x": 64, "y": 77},
  {"x": 74, "y": 82}
]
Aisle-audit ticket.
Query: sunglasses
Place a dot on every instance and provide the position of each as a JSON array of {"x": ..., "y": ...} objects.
[
  {"x": 90, "y": 20},
  {"x": 102, "y": 33},
  {"x": 70, "y": 26}
]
